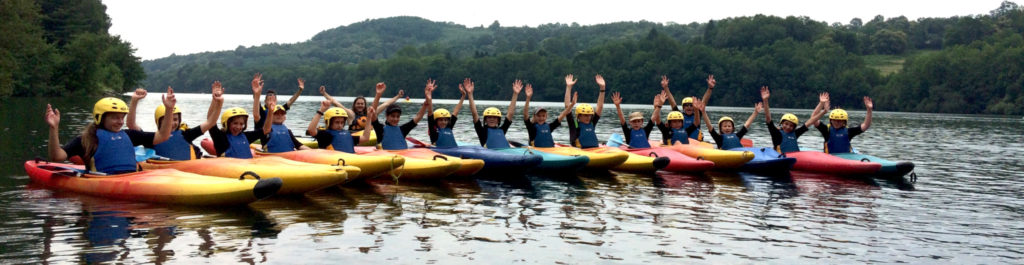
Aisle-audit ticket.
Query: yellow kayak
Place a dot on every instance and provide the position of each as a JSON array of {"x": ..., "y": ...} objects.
[
  {"x": 723, "y": 159},
  {"x": 642, "y": 164},
  {"x": 297, "y": 177},
  {"x": 422, "y": 164},
  {"x": 370, "y": 166},
  {"x": 600, "y": 157},
  {"x": 469, "y": 167},
  {"x": 371, "y": 142}
]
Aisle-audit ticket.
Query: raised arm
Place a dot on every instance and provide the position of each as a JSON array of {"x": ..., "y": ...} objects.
[
  {"x": 702, "y": 111},
  {"x": 401, "y": 93},
  {"x": 379, "y": 90},
  {"x": 569, "y": 82},
  {"x": 711, "y": 85},
  {"x": 565, "y": 112},
  {"x": 427, "y": 91},
  {"x": 458, "y": 107},
  {"x": 526, "y": 105},
  {"x": 818, "y": 111},
  {"x": 370, "y": 112},
  {"x": 765, "y": 94},
  {"x": 757, "y": 109},
  {"x": 467, "y": 84},
  {"x": 167, "y": 125},
  {"x": 311, "y": 130},
  {"x": 659, "y": 100},
  {"x": 132, "y": 107},
  {"x": 302, "y": 85},
  {"x": 517, "y": 87},
  {"x": 56, "y": 153},
  {"x": 257, "y": 88},
  {"x": 271, "y": 105},
  {"x": 600, "y": 96},
  {"x": 323, "y": 91},
  {"x": 668, "y": 94},
  {"x": 868, "y": 104},
  {"x": 215, "y": 104},
  {"x": 617, "y": 99}
]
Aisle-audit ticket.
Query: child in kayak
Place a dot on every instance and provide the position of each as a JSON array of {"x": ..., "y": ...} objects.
[
  {"x": 440, "y": 121},
  {"x": 258, "y": 78},
  {"x": 492, "y": 135},
  {"x": 689, "y": 112},
  {"x": 358, "y": 110},
  {"x": 232, "y": 140},
  {"x": 390, "y": 135},
  {"x": 635, "y": 132},
  {"x": 538, "y": 128},
  {"x": 103, "y": 146},
  {"x": 581, "y": 127},
  {"x": 729, "y": 138},
  {"x": 179, "y": 146},
  {"x": 785, "y": 140},
  {"x": 837, "y": 136},
  {"x": 677, "y": 130},
  {"x": 336, "y": 135},
  {"x": 275, "y": 136}
]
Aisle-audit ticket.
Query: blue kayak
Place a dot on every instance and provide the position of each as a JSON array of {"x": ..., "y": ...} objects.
[
  {"x": 551, "y": 162},
  {"x": 889, "y": 168},
  {"x": 766, "y": 161},
  {"x": 494, "y": 161}
]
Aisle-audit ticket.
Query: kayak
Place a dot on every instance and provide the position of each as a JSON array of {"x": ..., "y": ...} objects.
[
  {"x": 207, "y": 145},
  {"x": 819, "y": 162},
  {"x": 371, "y": 142},
  {"x": 550, "y": 161},
  {"x": 888, "y": 169},
  {"x": 297, "y": 177},
  {"x": 494, "y": 161},
  {"x": 641, "y": 164},
  {"x": 600, "y": 157},
  {"x": 723, "y": 159},
  {"x": 766, "y": 161},
  {"x": 677, "y": 162},
  {"x": 422, "y": 164},
  {"x": 369, "y": 166},
  {"x": 160, "y": 186}
]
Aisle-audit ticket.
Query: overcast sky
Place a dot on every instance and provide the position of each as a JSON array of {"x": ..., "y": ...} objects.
[{"x": 161, "y": 28}]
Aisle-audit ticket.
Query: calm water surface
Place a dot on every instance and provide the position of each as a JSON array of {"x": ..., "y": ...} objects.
[{"x": 966, "y": 207}]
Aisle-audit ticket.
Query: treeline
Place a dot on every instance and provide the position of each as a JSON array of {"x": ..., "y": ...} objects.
[{"x": 52, "y": 47}]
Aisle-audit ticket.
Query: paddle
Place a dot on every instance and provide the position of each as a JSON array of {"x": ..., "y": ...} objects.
[
  {"x": 416, "y": 143},
  {"x": 616, "y": 140}
]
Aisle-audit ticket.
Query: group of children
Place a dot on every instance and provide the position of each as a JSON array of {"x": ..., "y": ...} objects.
[{"x": 107, "y": 148}]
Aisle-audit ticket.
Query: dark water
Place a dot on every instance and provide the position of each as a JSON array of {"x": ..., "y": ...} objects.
[{"x": 967, "y": 207}]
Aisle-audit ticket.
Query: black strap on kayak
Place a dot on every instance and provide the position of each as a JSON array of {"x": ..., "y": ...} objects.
[
  {"x": 700, "y": 157},
  {"x": 865, "y": 160},
  {"x": 441, "y": 157},
  {"x": 249, "y": 173},
  {"x": 653, "y": 154},
  {"x": 913, "y": 177},
  {"x": 341, "y": 162}
]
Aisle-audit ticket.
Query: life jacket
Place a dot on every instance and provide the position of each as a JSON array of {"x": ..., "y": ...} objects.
[
  {"x": 175, "y": 148},
  {"x": 358, "y": 122},
  {"x": 838, "y": 141},
  {"x": 789, "y": 143},
  {"x": 238, "y": 146},
  {"x": 393, "y": 138},
  {"x": 114, "y": 152},
  {"x": 543, "y": 137},
  {"x": 586, "y": 138},
  {"x": 679, "y": 135},
  {"x": 341, "y": 141},
  {"x": 730, "y": 141},
  {"x": 496, "y": 139},
  {"x": 280, "y": 139},
  {"x": 638, "y": 139},
  {"x": 445, "y": 138},
  {"x": 696, "y": 134}
]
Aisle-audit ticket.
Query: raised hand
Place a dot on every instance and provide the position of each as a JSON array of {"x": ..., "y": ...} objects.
[
  {"x": 711, "y": 81},
  {"x": 765, "y": 94},
  {"x": 699, "y": 104},
  {"x": 569, "y": 80},
  {"x": 659, "y": 99},
  {"x": 372, "y": 113},
  {"x": 462, "y": 90},
  {"x": 140, "y": 93},
  {"x": 616, "y": 98},
  {"x": 517, "y": 86},
  {"x": 759, "y": 107},
  {"x": 428, "y": 90},
  {"x": 169, "y": 99},
  {"x": 380, "y": 88},
  {"x": 302, "y": 84},
  {"x": 664, "y": 82},
  {"x": 868, "y": 103},
  {"x": 664, "y": 97},
  {"x": 600, "y": 81},
  {"x": 324, "y": 105},
  {"x": 401, "y": 92},
  {"x": 323, "y": 90},
  {"x": 217, "y": 91},
  {"x": 823, "y": 97},
  {"x": 468, "y": 85},
  {"x": 52, "y": 117},
  {"x": 529, "y": 90},
  {"x": 257, "y": 84}
]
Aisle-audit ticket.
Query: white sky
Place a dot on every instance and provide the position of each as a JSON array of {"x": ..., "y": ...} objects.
[{"x": 159, "y": 28}]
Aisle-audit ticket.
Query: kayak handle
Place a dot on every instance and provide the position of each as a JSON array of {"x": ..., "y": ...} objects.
[
  {"x": 341, "y": 162},
  {"x": 249, "y": 173},
  {"x": 441, "y": 157},
  {"x": 653, "y": 154},
  {"x": 865, "y": 160},
  {"x": 700, "y": 157},
  {"x": 913, "y": 177}
]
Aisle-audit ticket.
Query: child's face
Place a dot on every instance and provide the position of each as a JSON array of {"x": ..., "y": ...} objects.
[
  {"x": 113, "y": 121},
  {"x": 675, "y": 124},
  {"x": 236, "y": 125},
  {"x": 280, "y": 116},
  {"x": 491, "y": 121},
  {"x": 393, "y": 118},
  {"x": 359, "y": 105},
  {"x": 338, "y": 123},
  {"x": 726, "y": 127},
  {"x": 443, "y": 122},
  {"x": 540, "y": 117},
  {"x": 838, "y": 124},
  {"x": 788, "y": 126},
  {"x": 636, "y": 124},
  {"x": 175, "y": 123},
  {"x": 584, "y": 118},
  {"x": 688, "y": 109}
]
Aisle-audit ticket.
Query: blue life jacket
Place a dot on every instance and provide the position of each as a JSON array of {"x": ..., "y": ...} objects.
[
  {"x": 445, "y": 138},
  {"x": 238, "y": 146},
  {"x": 730, "y": 141},
  {"x": 838, "y": 141},
  {"x": 496, "y": 139},
  {"x": 114, "y": 152},
  {"x": 543, "y": 137},
  {"x": 696, "y": 134},
  {"x": 393, "y": 138},
  {"x": 342, "y": 141},
  {"x": 175, "y": 148},
  {"x": 587, "y": 138},
  {"x": 789, "y": 143},
  {"x": 280, "y": 139},
  {"x": 638, "y": 139},
  {"x": 679, "y": 135}
]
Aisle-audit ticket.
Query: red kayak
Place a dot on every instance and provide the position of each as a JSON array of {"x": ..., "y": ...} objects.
[
  {"x": 818, "y": 162},
  {"x": 678, "y": 162}
]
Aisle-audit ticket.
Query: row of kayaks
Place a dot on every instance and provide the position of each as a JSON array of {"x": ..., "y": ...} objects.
[{"x": 227, "y": 181}]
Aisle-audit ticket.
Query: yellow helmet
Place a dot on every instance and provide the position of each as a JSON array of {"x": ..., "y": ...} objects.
[
  {"x": 726, "y": 118},
  {"x": 838, "y": 114},
  {"x": 231, "y": 113},
  {"x": 492, "y": 111},
  {"x": 279, "y": 108},
  {"x": 790, "y": 118},
  {"x": 443, "y": 113},
  {"x": 584, "y": 109},
  {"x": 687, "y": 100},
  {"x": 105, "y": 105},
  {"x": 334, "y": 112},
  {"x": 161, "y": 111},
  {"x": 675, "y": 115}
]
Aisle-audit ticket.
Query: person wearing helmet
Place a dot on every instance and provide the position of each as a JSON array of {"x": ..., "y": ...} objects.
[
  {"x": 785, "y": 140},
  {"x": 440, "y": 123},
  {"x": 103, "y": 145},
  {"x": 275, "y": 136},
  {"x": 179, "y": 146},
  {"x": 257, "y": 82},
  {"x": 837, "y": 135},
  {"x": 677, "y": 130},
  {"x": 688, "y": 111},
  {"x": 537, "y": 126},
  {"x": 335, "y": 135},
  {"x": 232, "y": 140},
  {"x": 582, "y": 133},
  {"x": 390, "y": 135},
  {"x": 359, "y": 120},
  {"x": 729, "y": 138},
  {"x": 491, "y": 134},
  {"x": 635, "y": 132}
]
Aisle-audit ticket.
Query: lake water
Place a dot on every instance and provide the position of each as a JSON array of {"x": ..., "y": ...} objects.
[{"x": 966, "y": 207}]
